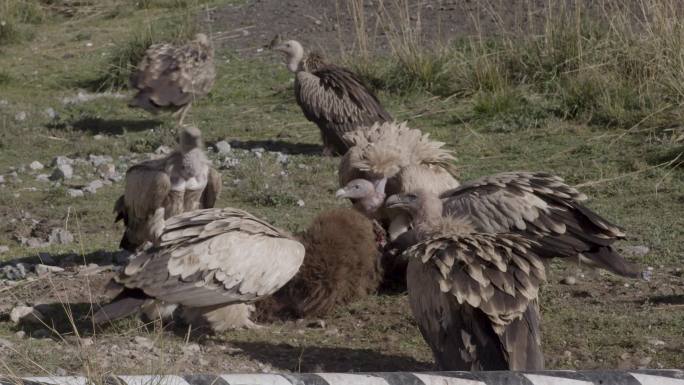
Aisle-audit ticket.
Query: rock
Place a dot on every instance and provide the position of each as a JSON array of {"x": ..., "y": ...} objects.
[
  {"x": 26, "y": 314},
  {"x": 62, "y": 171},
  {"x": 316, "y": 324},
  {"x": 108, "y": 171},
  {"x": 74, "y": 193},
  {"x": 34, "y": 242},
  {"x": 60, "y": 160},
  {"x": 46, "y": 259},
  {"x": 50, "y": 113},
  {"x": 230, "y": 163},
  {"x": 20, "y": 334},
  {"x": 92, "y": 269},
  {"x": 97, "y": 160},
  {"x": 36, "y": 165},
  {"x": 93, "y": 186},
  {"x": 98, "y": 137},
  {"x": 42, "y": 270},
  {"x": 4, "y": 249},
  {"x": 60, "y": 236},
  {"x": 87, "y": 341},
  {"x": 14, "y": 272},
  {"x": 300, "y": 203},
  {"x": 162, "y": 150},
  {"x": 281, "y": 158},
  {"x": 60, "y": 372},
  {"x": 644, "y": 362},
  {"x": 43, "y": 178},
  {"x": 569, "y": 280},
  {"x": 20, "y": 116},
  {"x": 635, "y": 251},
  {"x": 223, "y": 147},
  {"x": 656, "y": 342},
  {"x": 143, "y": 342},
  {"x": 2, "y": 179}
]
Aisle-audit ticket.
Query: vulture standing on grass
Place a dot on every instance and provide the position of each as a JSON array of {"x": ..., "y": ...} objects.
[
  {"x": 332, "y": 97},
  {"x": 340, "y": 266},
  {"x": 473, "y": 294},
  {"x": 205, "y": 260},
  {"x": 158, "y": 189},
  {"x": 171, "y": 77}
]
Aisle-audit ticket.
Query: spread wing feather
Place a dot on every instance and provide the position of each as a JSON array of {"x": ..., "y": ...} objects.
[
  {"x": 215, "y": 256},
  {"x": 543, "y": 207}
]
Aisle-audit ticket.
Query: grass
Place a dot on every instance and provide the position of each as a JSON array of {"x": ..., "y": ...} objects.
[{"x": 554, "y": 101}]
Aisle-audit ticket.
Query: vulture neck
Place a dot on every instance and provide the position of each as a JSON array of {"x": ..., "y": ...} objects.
[
  {"x": 429, "y": 212},
  {"x": 429, "y": 220},
  {"x": 194, "y": 162},
  {"x": 294, "y": 63}
]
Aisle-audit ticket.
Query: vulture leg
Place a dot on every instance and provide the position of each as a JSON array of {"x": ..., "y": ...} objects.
[{"x": 182, "y": 112}]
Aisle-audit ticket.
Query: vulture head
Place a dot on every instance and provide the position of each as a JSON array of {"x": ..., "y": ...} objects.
[
  {"x": 421, "y": 205},
  {"x": 366, "y": 196},
  {"x": 190, "y": 138},
  {"x": 293, "y": 50}
]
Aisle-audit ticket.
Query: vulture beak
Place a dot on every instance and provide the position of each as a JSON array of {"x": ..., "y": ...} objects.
[
  {"x": 397, "y": 201},
  {"x": 341, "y": 193}
]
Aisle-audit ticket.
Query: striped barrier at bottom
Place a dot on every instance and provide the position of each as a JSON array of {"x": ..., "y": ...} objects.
[{"x": 556, "y": 377}]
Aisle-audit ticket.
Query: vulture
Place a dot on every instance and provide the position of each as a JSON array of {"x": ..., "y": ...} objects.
[
  {"x": 339, "y": 267},
  {"x": 161, "y": 188},
  {"x": 171, "y": 77},
  {"x": 473, "y": 294},
  {"x": 206, "y": 259},
  {"x": 332, "y": 97}
]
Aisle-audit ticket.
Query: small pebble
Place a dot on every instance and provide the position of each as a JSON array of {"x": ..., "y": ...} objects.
[
  {"x": 74, "y": 193},
  {"x": 569, "y": 280},
  {"x": 36, "y": 165}
]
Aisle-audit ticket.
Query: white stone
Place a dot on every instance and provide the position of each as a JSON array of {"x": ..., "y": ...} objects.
[
  {"x": 25, "y": 314},
  {"x": 36, "y": 165},
  {"x": 93, "y": 186},
  {"x": 281, "y": 158},
  {"x": 43, "y": 178},
  {"x": 62, "y": 171},
  {"x": 74, "y": 193},
  {"x": 50, "y": 113},
  {"x": 60, "y": 236},
  {"x": 223, "y": 147},
  {"x": 162, "y": 150},
  {"x": 300, "y": 203},
  {"x": 4, "y": 249},
  {"x": 20, "y": 116},
  {"x": 42, "y": 270},
  {"x": 61, "y": 160},
  {"x": 97, "y": 160}
]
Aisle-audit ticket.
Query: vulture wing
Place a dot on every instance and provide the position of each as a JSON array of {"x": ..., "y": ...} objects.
[
  {"x": 338, "y": 102},
  {"x": 169, "y": 76},
  {"x": 543, "y": 207},
  {"x": 474, "y": 298},
  {"x": 147, "y": 191},
  {"x": 212, "y": 190},
  {"x": 215, "y": 256}
]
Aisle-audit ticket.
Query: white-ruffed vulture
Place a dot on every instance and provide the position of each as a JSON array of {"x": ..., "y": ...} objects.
[
  {"x": 161, "y": 188},
  {"x": 473, "y": 294},
  {"x": 171, "y": 77},
  {"x": 206, "y": 259},
  {"x": 332, "y": 97}
]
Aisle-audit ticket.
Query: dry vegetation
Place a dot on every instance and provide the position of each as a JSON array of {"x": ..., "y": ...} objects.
[{"x": 594, "y": 93}]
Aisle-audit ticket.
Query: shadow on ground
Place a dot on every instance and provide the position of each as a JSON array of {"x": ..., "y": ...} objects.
[
  {"x": 110, "y": 126},
  {"x": 329, "y": 359}
]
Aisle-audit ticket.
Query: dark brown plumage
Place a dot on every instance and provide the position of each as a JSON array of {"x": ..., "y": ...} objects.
[
  {"x": 473, "y": 294},
  {"x": 340, "y": 266},
  {"x": 333, "y": 97},
  {"x": 172, "y": 77},
  {"x": 543, "y": 208}
]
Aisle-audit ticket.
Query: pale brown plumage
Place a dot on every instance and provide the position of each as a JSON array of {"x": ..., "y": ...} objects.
[
  {"x": 473, "y": 294},
  {"x": 158, "y": 189},
  {"x": 206, "y": 259},
  {"x": 333, "y": 97},
  {"x": 401, "y": 159},
  {"x": 172, "y": 77},
  {"x": 341, "y": 266}
]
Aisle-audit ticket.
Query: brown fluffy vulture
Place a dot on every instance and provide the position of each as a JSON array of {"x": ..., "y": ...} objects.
[
  {"x": 473, "y": 294},
  {"x": 340, "y": 266},
  {"x": 206, "y": 259},
  {"x": 158, "y": 189},
  {"x": 171, "y": 77},
  {"x": 333, "y": 97}
]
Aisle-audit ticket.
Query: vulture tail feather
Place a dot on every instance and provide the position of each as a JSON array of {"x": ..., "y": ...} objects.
[{"x": 122, "y": 306}]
